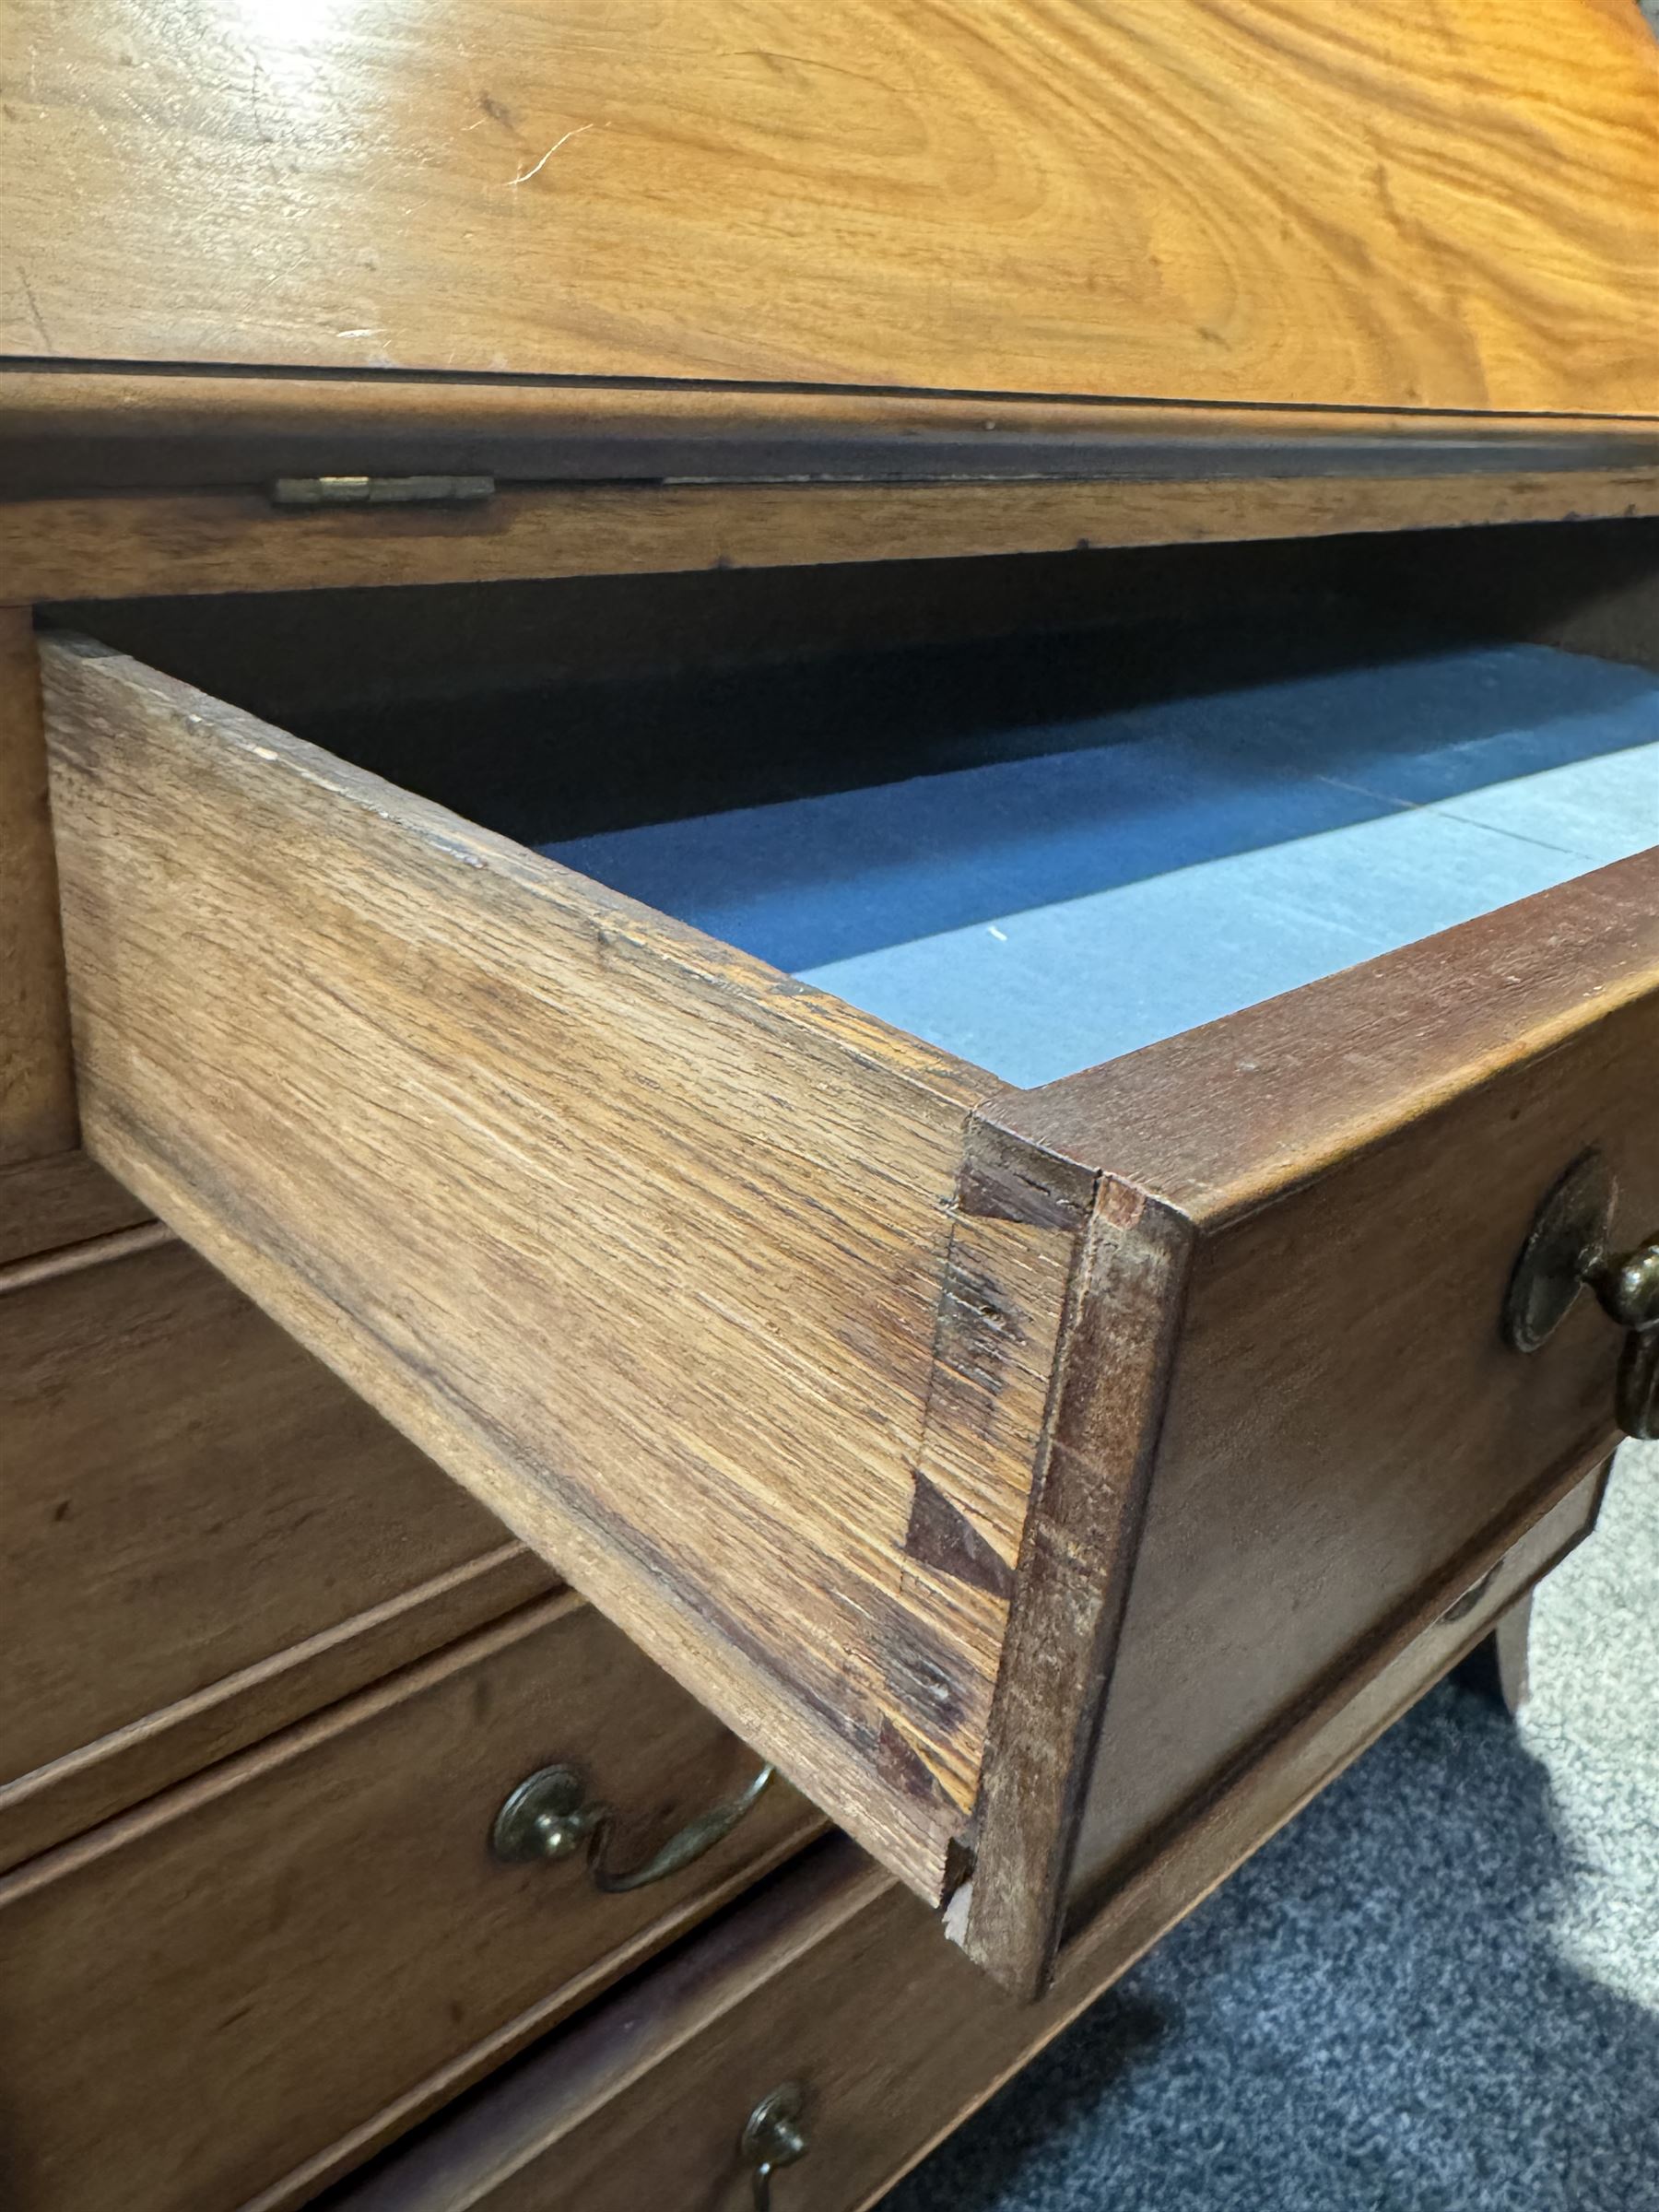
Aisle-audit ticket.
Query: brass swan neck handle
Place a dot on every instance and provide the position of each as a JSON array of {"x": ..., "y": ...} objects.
[{"x": 549, "y": 1817}]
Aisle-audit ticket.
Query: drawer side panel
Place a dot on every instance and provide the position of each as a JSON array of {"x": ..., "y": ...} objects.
[{"x": 641, "y": 1241}]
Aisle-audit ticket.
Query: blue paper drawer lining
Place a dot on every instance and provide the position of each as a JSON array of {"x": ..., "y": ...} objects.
[{"x": 1161, "y": 865}]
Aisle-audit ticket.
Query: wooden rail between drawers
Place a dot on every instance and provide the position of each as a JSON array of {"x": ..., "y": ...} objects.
[{"x": 80, "y": 545}]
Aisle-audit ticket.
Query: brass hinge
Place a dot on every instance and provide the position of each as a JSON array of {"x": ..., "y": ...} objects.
[{"x": 380, "y": 491}]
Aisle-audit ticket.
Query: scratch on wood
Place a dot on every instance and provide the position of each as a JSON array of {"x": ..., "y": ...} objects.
[
  {"x": 581, "y": 131},
  {"x": 35, "y": 315}
]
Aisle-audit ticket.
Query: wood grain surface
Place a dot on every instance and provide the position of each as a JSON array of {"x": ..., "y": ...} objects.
[
  {"x": 1116, "y": 1917},
  {"x": 65, "y": 1198},
  {"x": 75, "y": 1259},
  {"x": 122, "y": 1770},
  {"x": 113, "y": 547},
  {"x": 222, "y": 1998},
  {"x": 648, "y": 1245},
  {"x": 207, "y": 1536},
  {"x": 36, "y": 1075},
  {"x": 1160, "y": 198}
]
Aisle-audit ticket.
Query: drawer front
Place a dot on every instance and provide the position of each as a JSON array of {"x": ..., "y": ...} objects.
[
  {"x": 1317, "y": 1206},
  {"x": 61, "y": 1200},
  {"x": 1117, "y": 1908},
  {"x": 207, "y": 1537},
  {"x": 838, "y": 1983},
  {"x": 835, "y": 1982},
  {"x": 222, "y": 1998},
  {"x": 869, "y": 1398}
]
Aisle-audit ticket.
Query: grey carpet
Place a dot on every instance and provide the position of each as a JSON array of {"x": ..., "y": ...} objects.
[{"x": 1436, "y": 1990}]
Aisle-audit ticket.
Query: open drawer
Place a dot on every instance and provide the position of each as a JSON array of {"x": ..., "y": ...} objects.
[{"x": 953, "y": 1441}]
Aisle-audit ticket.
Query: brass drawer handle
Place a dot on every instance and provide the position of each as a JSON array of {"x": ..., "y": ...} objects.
[
  {"x": 547, "y": 1817},
  {"x": 773, "y": 2136},
  {"x": 1566, "y": 1252}
]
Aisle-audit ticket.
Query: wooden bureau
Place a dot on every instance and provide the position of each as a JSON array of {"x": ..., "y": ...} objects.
[{"x": 780, "y": 989}]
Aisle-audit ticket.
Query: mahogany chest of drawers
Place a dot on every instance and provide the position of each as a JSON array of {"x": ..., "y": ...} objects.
[{"x": 779, "y": 992}]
